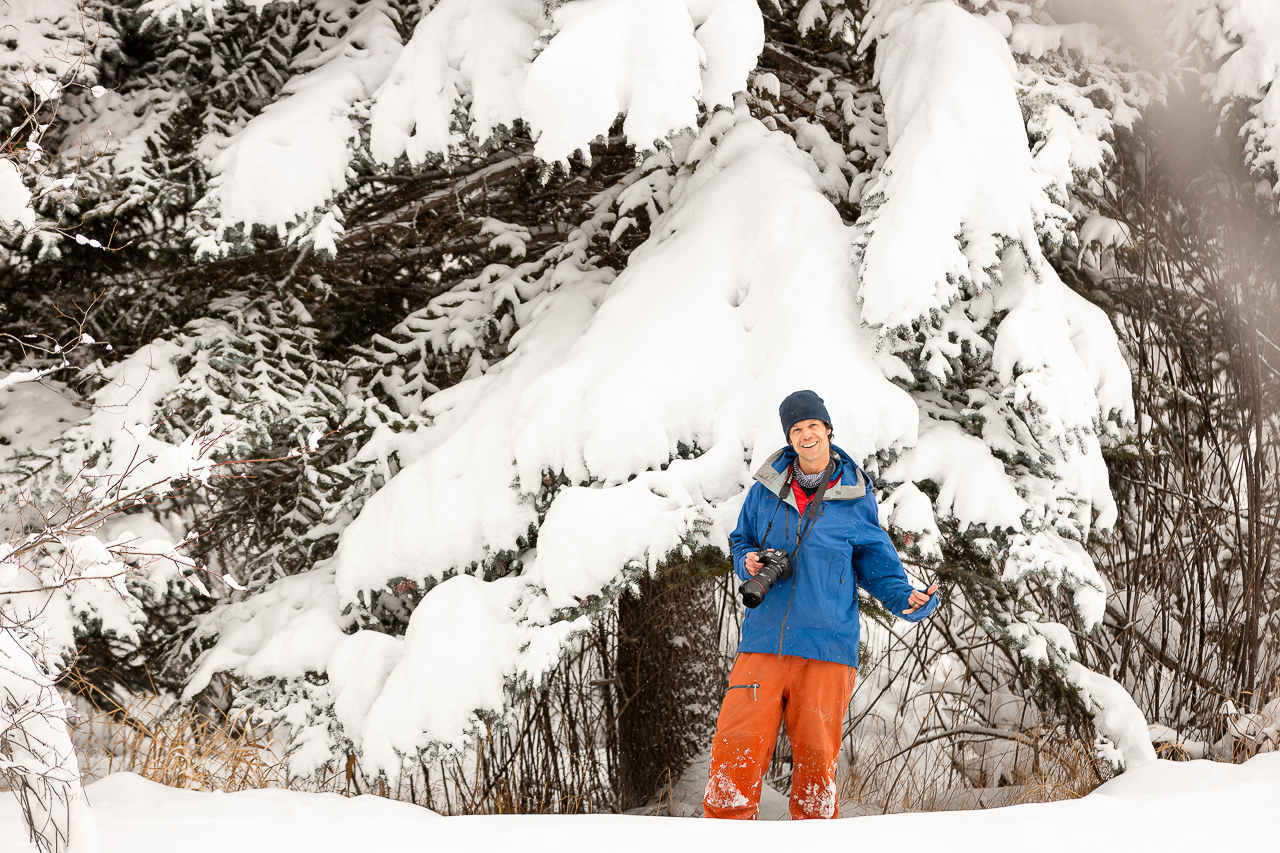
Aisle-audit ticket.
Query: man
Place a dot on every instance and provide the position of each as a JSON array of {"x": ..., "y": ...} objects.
[{"x": 799, "y": 652}]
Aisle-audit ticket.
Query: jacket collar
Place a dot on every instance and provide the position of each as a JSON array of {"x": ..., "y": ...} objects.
[{"x": 852, "y": 483}]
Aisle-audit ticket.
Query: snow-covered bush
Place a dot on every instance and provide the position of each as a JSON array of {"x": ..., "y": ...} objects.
[
  {"x": 73, "y": 561},
  {"x": 1196, "y": 284}
]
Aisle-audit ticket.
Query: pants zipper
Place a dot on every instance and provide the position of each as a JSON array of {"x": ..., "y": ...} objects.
[{"x": 754, "y": 688}]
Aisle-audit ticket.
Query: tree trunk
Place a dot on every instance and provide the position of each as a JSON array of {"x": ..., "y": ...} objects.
[{"x": 670, "y": 679}]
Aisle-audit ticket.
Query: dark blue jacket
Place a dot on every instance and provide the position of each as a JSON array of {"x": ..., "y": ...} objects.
[{"x": 815, "y": 613}]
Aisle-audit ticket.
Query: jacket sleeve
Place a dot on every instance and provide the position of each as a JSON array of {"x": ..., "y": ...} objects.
[
  {"x": 742, "y": 541},
  {"x": 879, "y": 572}
]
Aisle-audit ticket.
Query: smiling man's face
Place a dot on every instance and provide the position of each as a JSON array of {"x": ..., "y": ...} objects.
[{"x": 811, "y": 441}]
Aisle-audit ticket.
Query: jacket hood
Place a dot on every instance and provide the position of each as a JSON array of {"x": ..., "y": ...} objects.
[{"x": 853, "y": 482}]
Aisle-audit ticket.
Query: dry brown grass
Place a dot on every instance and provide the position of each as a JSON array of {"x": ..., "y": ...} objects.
[
  {"x": 177, "y": 746},
  {"x": 184, "y": 747},
  {"x": 1040, "y": 765}
]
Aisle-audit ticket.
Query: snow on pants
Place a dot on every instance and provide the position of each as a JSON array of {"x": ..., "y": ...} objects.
[{"x": 811, "y": 697}]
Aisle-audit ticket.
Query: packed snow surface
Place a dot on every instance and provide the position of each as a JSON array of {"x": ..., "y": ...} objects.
[{"x": 1162, "y": 805}]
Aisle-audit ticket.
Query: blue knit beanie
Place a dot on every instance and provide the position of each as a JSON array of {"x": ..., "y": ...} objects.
[{"x": 802, "y": 406}]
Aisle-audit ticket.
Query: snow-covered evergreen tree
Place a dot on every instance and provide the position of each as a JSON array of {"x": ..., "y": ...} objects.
[
  {"x": 982, "y": 343},
  {"x": 536, "y": 273}
]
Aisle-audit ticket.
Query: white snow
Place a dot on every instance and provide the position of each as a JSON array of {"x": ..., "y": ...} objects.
[
  {"x": 731, "y": 35},
  {"x": 568, "y": 76},
  {"x": 15, "y": 198},
  {"x": 121, "y": 125},
  {"x": 170, "y": 11},
  {"x": 294, "y": 156},
  {"x": 644, "y": 58},
  {"x": 123, "y": 409},
  {"x": 1161, "y": 805},
  {"x": 45, "y": 89},
  {"x": 288, "y": 630},
  {"x": 973, "y": 487},
  {"x": 1117, "y": 717},
  {"x": 482, "y": 49},
  {"x": 1248, "y": 43},
  {"x": 458, "y": 648},
  {"x": 959, "y": 182},
  {"x": 46, "y": 42},
  {"x": 32, "y": 416},
  {"x": 637, "y": 57},
  {"x": 38, "y": 746}
]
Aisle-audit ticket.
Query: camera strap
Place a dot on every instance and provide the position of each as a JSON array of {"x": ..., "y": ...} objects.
[{"x": 811, "y": 510}]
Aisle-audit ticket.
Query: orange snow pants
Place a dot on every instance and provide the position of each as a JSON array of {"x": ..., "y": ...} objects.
[{"x": 811, "y": 697}]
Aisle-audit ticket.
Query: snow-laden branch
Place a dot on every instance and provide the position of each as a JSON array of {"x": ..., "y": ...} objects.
[
  {"x": 471, "y": 68},
  {"x": 1241, "y": 40}
]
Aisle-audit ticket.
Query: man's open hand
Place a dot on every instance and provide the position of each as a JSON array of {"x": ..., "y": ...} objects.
[{"x": 918, "y": 599}]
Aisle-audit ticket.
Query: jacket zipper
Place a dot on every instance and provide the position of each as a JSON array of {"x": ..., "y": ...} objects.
[{"x": 782, "y": 632}]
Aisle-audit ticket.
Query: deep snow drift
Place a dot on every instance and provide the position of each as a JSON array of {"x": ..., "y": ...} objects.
[{"x": 1162, "y": 805}]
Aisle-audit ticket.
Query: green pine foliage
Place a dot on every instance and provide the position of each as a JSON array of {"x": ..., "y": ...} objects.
[{"x": 293, "y": 477}]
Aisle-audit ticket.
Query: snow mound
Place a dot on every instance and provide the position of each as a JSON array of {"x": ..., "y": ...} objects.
[{"x": 1145, "y": 808}]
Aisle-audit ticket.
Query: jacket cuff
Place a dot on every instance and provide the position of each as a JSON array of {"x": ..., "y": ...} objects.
[{"x": 923, "y": 612}]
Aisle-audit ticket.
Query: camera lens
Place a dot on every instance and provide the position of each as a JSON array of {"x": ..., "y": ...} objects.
[
  {"x": 752, "y": 593},
  {"x": 774, "y": 566}
]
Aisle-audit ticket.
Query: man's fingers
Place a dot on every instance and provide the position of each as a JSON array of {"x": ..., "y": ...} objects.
[{"x": 919, "y": 599}]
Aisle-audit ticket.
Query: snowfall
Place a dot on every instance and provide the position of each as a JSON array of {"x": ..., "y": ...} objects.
[{"x": 1161, "y": 805}]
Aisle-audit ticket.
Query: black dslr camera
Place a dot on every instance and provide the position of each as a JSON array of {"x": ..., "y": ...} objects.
[{"x": 776, "y": 567}]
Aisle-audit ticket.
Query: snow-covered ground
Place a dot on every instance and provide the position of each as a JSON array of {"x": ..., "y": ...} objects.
[{"x": 1162, "y": 805}]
